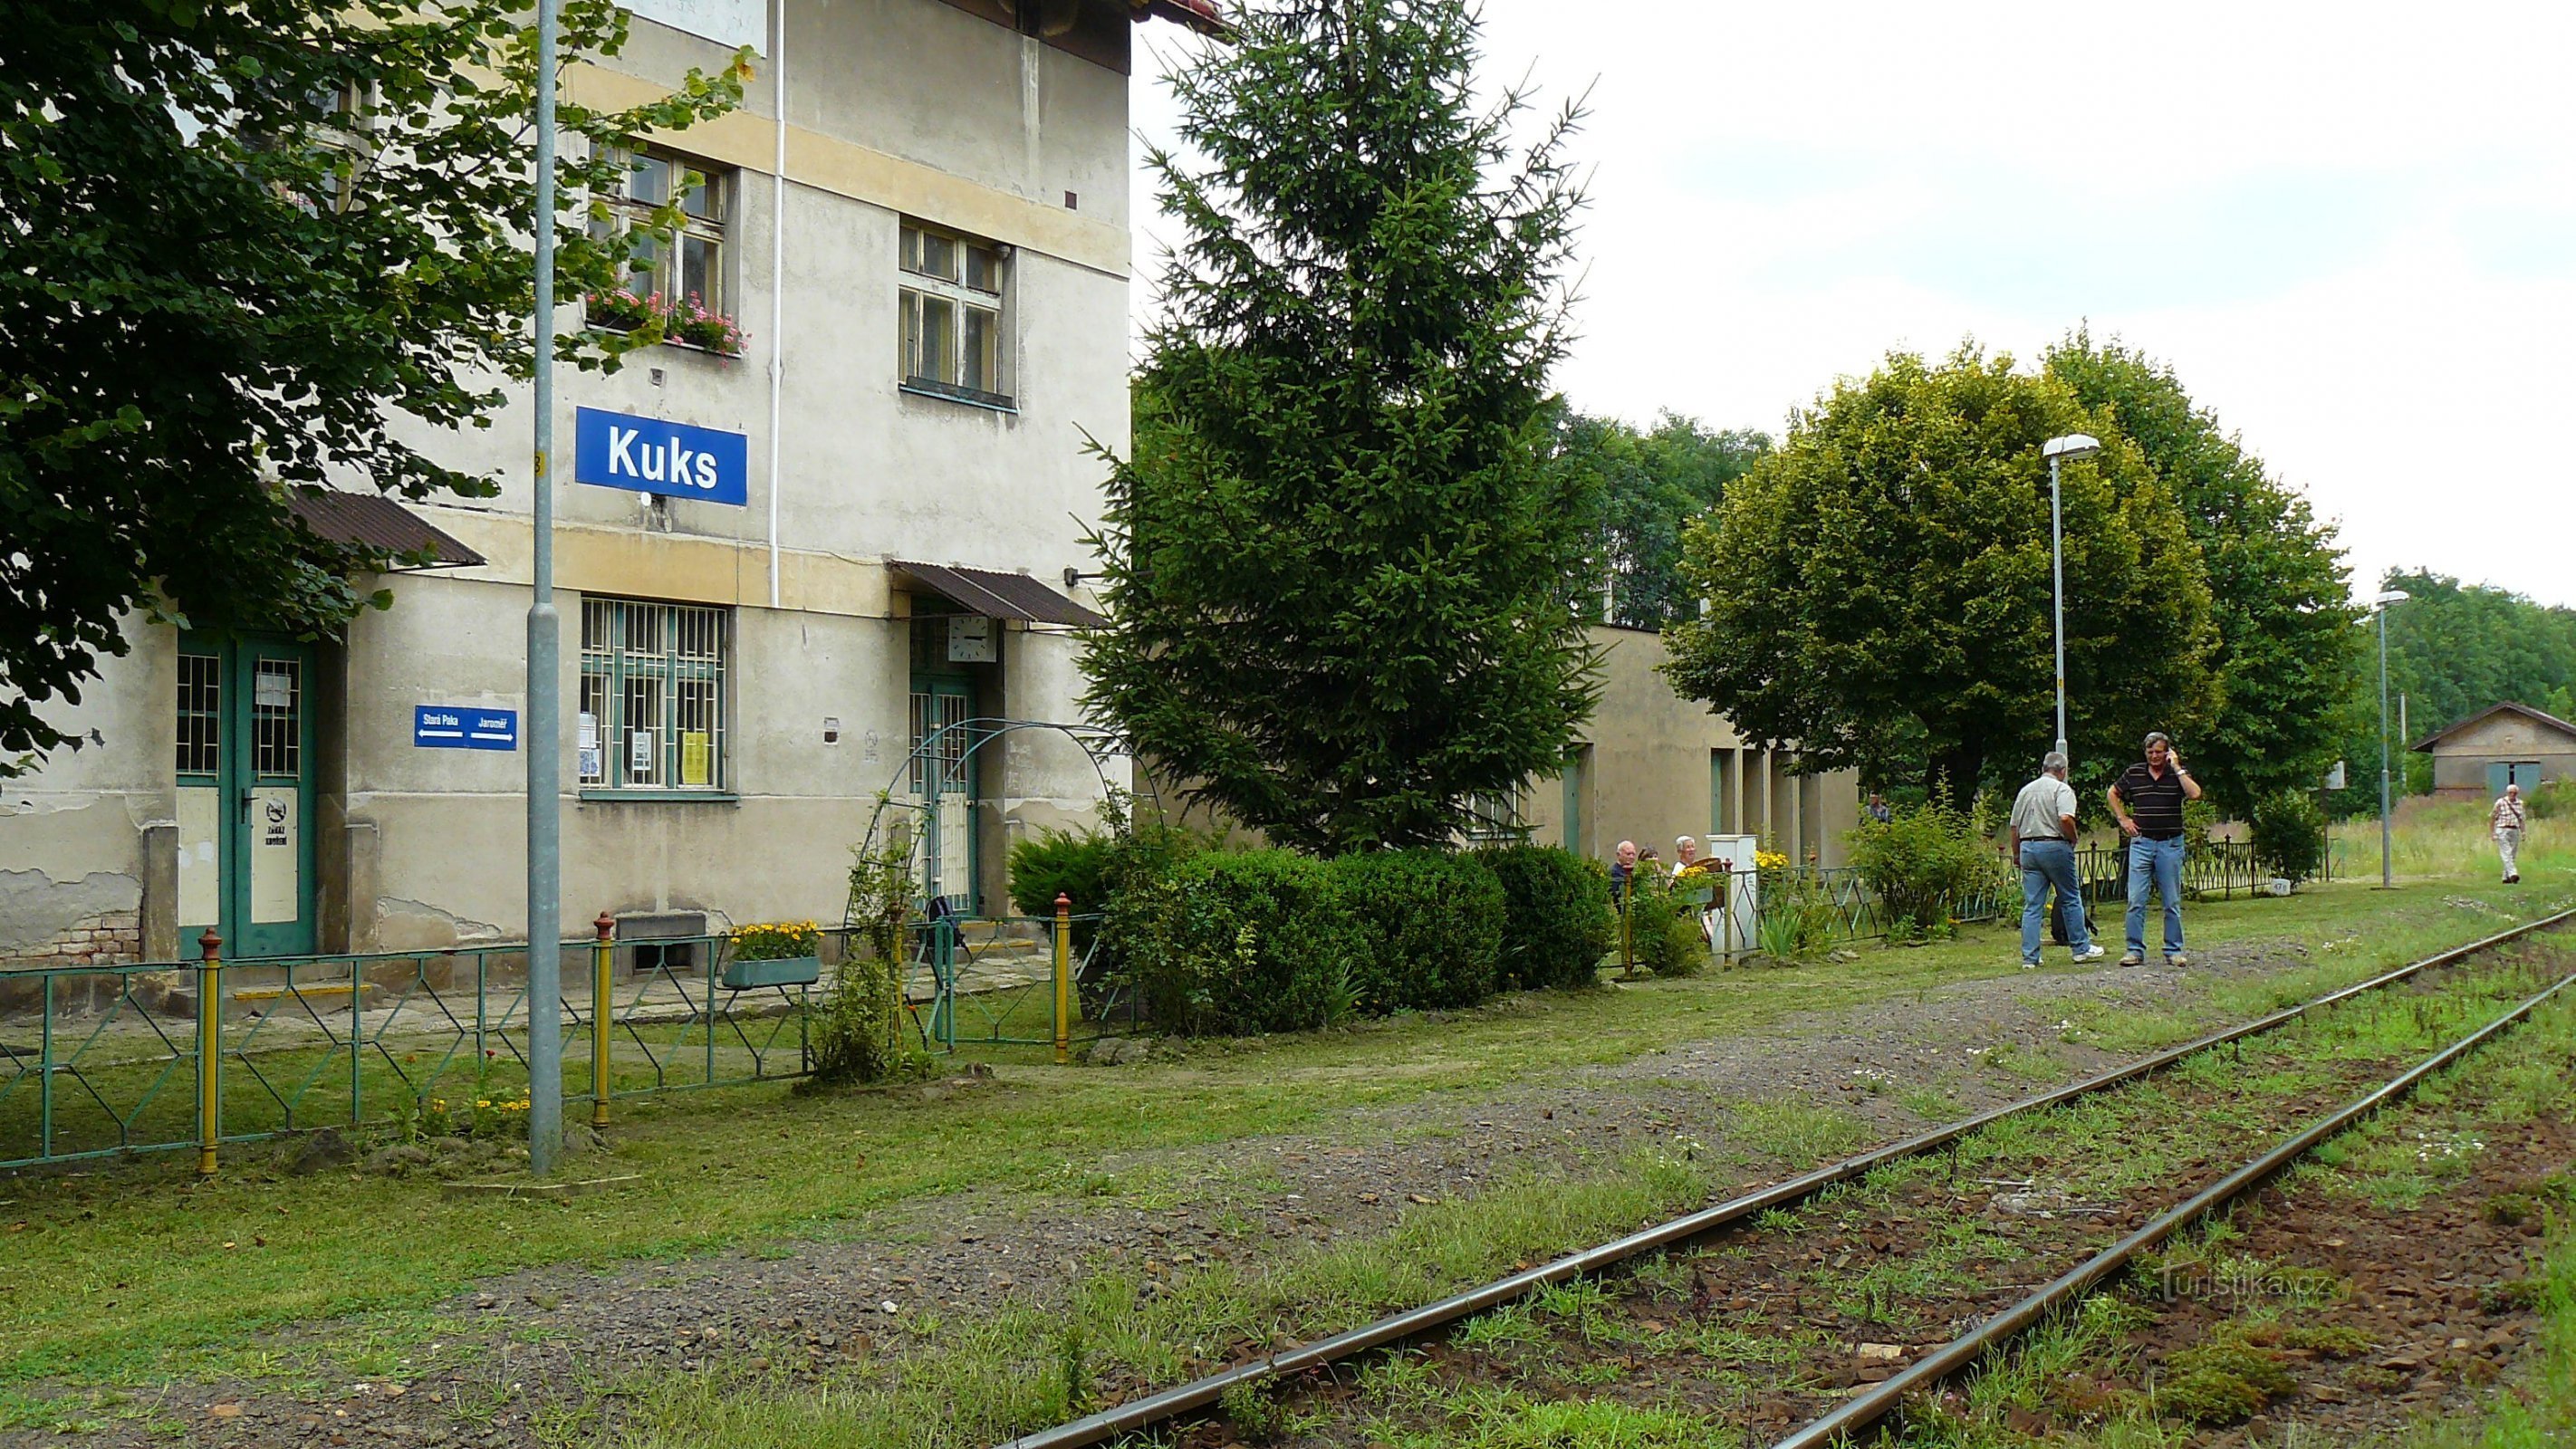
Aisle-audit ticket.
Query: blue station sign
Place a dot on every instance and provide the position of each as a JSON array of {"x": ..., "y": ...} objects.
[
  {"x": 651, "y": 455},
  {"x": 464, "y": 727}
]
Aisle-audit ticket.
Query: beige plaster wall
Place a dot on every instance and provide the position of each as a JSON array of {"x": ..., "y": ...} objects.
[{"x": 1654, "y": 766}]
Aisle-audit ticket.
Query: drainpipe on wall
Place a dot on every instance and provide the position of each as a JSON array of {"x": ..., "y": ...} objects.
[{"x": 777, "y": 289}]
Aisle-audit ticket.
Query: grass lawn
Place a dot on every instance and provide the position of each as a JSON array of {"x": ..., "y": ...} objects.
[{"x": 132, "y": 1273}]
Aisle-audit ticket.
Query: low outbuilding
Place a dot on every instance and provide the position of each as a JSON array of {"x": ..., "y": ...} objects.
[{"x": 2503, "y": 744}]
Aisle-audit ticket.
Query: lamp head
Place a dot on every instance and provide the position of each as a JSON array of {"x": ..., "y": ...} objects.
[
  {"x": 2391, "y": 596},
  {"x": 2071, "y": 447}
]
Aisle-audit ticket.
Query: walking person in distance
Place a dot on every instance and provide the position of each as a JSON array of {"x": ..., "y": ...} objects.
[
  {"x": 2506, "y": 821},
  {"x": 2043, "y": 826},
  {"x": 2148, "y": 800}
]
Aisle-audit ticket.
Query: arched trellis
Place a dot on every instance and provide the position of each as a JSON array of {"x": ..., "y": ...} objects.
[{"x": 930, "y": 758}]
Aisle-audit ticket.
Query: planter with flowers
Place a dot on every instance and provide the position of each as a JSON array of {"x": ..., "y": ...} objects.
[
  {"x": 688, "y": 323},
  {"x": 624, "y": 311},
  {"x": 773, "y": 953}
]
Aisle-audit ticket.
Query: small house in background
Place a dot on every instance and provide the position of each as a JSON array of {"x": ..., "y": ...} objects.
[{"x": 2503, "y": 744}]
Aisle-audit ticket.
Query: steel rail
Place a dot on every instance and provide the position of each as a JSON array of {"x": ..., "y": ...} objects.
[
  {"x": 1201, "y": 1393},
  {"x": 1883, "y": 1398}
]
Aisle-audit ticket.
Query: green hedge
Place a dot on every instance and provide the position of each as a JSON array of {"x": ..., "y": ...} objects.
[
  {"x": 1092, "y": 867},
  {"x": 1270, "y": 940},
  {"x": 1258, "y": 941},
  {"x": 1432, "y": 923},
  {"x": 1557, "y": 921}
]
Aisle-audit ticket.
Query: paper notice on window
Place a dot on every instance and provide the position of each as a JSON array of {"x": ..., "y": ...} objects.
[
  {"x": 697, "y": 756},
  {"x": 589, "y": 730},
  {"x": 590, "y": 762},
  {"x": 639, "y": 752},
  {"x": 272, "y": 689}
]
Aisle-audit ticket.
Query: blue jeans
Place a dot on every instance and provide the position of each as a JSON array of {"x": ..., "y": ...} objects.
[
  {"x": 2046, "y": 863},
  {"x": 2157, "y": 863}
]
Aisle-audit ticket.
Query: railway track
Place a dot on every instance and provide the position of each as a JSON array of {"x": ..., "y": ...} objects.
[{"x": 2344, "y": 1092}]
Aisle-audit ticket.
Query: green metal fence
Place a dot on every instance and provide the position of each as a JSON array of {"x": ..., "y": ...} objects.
[
  {"x": 990, "y": 981},
  {"x": 2216, "y": 868},
  {"x": 103, "y": 1060}
]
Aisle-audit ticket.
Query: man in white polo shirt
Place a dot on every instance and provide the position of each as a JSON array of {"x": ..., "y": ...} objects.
[{"x": 2043, "y": 826}]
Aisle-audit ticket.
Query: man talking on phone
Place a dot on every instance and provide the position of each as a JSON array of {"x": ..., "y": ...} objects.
[{"x": 2148, "y": 799}]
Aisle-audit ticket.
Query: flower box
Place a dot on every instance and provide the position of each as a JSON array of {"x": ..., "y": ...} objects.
[{"x": 777, "y": 971}]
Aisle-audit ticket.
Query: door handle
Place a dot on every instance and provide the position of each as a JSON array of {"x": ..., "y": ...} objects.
[{"x": 245, "y": 805}]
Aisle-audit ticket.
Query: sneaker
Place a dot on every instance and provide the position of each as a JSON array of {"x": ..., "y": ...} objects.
[
  {"x": 2177, "y": 960},
  {"x": 2133, "y": 959},
  {"x": 2090, "y": 953},
  {"x": 2030, "y": 965}
]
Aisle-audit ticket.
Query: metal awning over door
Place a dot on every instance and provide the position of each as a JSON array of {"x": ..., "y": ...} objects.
[{"x": 998, "y": 595}]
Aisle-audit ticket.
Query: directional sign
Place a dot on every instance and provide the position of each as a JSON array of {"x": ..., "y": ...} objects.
[
  {"x": 464, "y": 727},
  {"x": 652, "y": 455}
]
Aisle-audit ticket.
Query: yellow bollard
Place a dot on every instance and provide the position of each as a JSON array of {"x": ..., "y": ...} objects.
[
  {"x": 1063, "y": 979},
  {"x": 210, "y": 1049},
  {"x": 603, "y": 959}
]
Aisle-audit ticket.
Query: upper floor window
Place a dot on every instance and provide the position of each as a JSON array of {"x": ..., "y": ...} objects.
[
  {"x": 951, "y": 299},
  {"x": 675, "y": 269}
]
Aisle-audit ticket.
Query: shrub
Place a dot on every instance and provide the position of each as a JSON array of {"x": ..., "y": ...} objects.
[
  {"x": 1557, "y": 923},
  {"x": 1919, "y": 865},
  {"x": 1794, "y": 918},
  {"x": 1259, "y": 941},
  {"x": 2552, "y": 800},
  {"x": 1663, "y": 928},
  {"x": 1432, "y": 923},
  {"x": 1091, "y": 867},
  {"x": 2289, "y": 834},
  {"x": 860, "y": 1031}
]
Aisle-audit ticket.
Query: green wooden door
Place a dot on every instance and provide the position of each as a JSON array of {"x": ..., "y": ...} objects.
[{"x": 245, "y": 775}]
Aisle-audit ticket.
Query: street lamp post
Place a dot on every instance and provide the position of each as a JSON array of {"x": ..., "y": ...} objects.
[
  {"x": 2073, "y": 445},
  {"x": 545, "y": 805},
  {"x": 2379, "y": 607}
]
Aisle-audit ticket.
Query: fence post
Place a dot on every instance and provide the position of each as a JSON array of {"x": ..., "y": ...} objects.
[
  {"x": 1063, "y": 979},
  {"x": 603, "y": 958},
  {"x": 210, "y": 1049}
]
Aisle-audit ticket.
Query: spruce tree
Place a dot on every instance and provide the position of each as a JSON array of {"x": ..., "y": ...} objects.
[{"x": 1342, "y": 569}]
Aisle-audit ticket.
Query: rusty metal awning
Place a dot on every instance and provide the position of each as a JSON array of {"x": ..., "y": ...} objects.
[
  {"x": 1198, "y": 15},
  {"x": 378, "y": 524},
  {"x": 998, "y": 595}
]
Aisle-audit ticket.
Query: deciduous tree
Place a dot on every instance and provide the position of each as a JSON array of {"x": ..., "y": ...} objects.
[
  {"x": 2279, "y": 595},
  {"x": 1338, "y": 559},
  {"x": 1653, "y": 483},
  {"x": 1879, "y": 586}
]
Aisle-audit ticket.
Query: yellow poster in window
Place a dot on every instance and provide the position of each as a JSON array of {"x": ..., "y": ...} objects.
[{"x": 697, "y": 752}]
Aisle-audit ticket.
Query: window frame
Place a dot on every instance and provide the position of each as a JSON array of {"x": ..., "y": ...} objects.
[
  {"x": 628, "y": 213},
  {"x": 675, "y": 671},
  {"x": 917, "y": 288}
]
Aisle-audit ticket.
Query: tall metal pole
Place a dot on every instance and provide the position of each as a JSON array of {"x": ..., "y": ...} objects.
[
  {"x": 2057, "y": 573},
  {"x": 2386, "y": 875},
  {"x": 545, "y": 874}
]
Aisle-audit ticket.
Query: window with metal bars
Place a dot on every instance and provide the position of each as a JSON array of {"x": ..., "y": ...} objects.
[
  {"x": 200, "y": 714},
  {"x": 276, "y": 716},
  {"x": 652, "y": 696}
]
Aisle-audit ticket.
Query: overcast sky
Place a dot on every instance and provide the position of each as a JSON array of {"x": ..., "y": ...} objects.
[{"x": 2350, "y": 229}]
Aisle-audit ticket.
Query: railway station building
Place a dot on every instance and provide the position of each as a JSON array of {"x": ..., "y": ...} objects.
[{"x": 777, "y": 569}]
